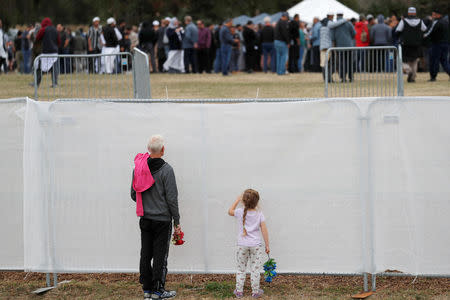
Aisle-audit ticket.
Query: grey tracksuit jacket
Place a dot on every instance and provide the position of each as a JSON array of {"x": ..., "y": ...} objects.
[{"x": 160, "y": 201}]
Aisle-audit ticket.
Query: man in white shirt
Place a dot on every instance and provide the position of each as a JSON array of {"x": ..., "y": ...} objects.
[{"x": 110, "y": 38}]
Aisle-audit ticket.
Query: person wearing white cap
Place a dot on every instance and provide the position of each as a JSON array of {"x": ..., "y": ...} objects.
[
  {"x": 370, "y": 21},
  {"x": 175, "y": 59},
  {"x": 410, "y": 30},
  {"x": 110, "y": 38},
  {"x": 94, "y": 44}
]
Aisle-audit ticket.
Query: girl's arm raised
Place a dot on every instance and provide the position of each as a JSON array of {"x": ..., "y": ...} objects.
[
  {"x": 233, "y": 206},
  {"x": 265, "y": 235}
]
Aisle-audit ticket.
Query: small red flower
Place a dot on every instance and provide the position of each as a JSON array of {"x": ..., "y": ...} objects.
[{"x": 177, "y": 239}]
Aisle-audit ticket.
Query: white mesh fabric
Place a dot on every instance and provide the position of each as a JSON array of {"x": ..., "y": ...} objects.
[
  {"x": 302, "y": 157},
  {"x": 342, "y": 193},
  {"x": 410, "y": 142},
  {"x": 11, "y": 183}
]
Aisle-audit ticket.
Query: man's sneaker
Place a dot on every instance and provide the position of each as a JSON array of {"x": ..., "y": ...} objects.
[
  {"x": 432, "y": 79},
  {"x": 238, "y": 294},
  {"x": 258, "y": 294},
  {"x": 163, "y": 294},
  {"x": 147, "y": 295}
]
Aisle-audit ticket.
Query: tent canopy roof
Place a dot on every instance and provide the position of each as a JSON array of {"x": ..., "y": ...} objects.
[{"x": 308, "y": 9}]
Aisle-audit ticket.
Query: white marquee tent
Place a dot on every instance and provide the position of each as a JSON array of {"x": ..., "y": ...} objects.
[{"x": 308, "y": 9}]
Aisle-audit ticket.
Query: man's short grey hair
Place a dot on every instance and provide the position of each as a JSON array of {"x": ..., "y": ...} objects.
[
  {"x": 188, "y": 19},
  {"x": 267, "y": 19},
  {"x": 155, "y": 144}
]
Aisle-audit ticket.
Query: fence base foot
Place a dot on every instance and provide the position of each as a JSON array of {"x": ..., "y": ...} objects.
[
  {"x": 362, "y": 295},
  {"x": 48, "y": 287}
]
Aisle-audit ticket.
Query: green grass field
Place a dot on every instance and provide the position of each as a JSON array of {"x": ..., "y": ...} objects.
[
  {"x": 242, "y": 85},
  {"x": 19, "y": 285}
]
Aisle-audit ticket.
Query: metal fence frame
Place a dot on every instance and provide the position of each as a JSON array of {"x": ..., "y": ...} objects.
[
  {"x": 352, "y": 55},
  {"x": 365, "y": 156},
  {"x": 140, "y": 68}
]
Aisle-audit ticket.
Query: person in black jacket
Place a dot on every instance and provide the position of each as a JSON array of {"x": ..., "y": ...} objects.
[
  {"x": 410, "y": 33},
  {"x": 267, "y": 38},
  {"x": 439, "y": 36},
  {"x": 50, "y": 41},
  {"x": 213, "y": 49},
  {"x": 281, "y": 43},
  {"x": 250, "y": 40},
  {"x": 147, "y": 41},
  {"x": 294, "y": 49}
]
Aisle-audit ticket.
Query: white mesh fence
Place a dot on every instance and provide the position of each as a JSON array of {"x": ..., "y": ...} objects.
[
  {"x": 346, "y": 186},
  {"x": 12, "y": 112}
]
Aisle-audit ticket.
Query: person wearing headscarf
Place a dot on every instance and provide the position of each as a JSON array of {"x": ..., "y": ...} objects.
[
  {"x": 50, "y": 42},
  {"x": 175, "y": 59}
]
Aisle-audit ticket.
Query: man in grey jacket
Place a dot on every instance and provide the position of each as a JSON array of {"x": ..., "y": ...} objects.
[
  {"x": 343, "y": 35},
  {"x": 380, "y": 35},
  {"x": 326, "y": 42},
  {"x": 160, "y": 204},
  {"x": 190, "y": 45}
]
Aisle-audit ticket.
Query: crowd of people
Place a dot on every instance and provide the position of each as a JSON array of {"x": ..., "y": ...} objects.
[{"x": 286, "y": 46}]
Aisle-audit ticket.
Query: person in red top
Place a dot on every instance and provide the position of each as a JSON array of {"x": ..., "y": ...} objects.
[{"x": 362, "y": 40}]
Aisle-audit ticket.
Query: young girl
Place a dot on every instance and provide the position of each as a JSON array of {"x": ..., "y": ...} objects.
[{"x": 249, "y": 251}]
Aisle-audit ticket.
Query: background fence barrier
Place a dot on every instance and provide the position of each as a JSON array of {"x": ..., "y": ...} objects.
[
  {"x": 363, "y": 72},
  {"x": 104, "y": 76}
]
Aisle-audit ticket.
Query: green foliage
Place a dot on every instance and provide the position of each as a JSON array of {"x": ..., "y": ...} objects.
[
  {"x": 353, "y": 4},
  {"x": 400, "y": 7},
  {"x": 220, "y": 290},
  {"x": 136, "y": 11}
]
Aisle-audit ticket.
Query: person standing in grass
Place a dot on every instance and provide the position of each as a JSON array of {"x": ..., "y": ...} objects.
[
  {"x": 439, "y": 35},
  {"x": 410, "y": 31},
  {"x": 249, "y": 245},
  {"x": 154, "y": 189},
  {"x": 281, "y": 43}
]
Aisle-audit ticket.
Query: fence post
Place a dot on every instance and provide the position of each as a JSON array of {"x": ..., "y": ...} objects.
[
  {"x": 326, "y": 73},
  {"x": 400, "y": 91},
  {"x": 35, "y": 68},
  {"x": 141, "y": 75}
]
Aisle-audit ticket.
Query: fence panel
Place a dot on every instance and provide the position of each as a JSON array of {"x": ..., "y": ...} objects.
[
  {"x": 141, "y": 75},
  {"x": 363, "y": 72},
  {"x": 346, "y": 188},
  {"x": 410, "y": 142},
  {"x": 103, "y": 76},
  {"x": 85, "y": 220},
  {"x": 12, "y": 112}
]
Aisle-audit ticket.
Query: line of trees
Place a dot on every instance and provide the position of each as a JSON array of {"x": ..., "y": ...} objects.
[{"x": 134, "y": 11}]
